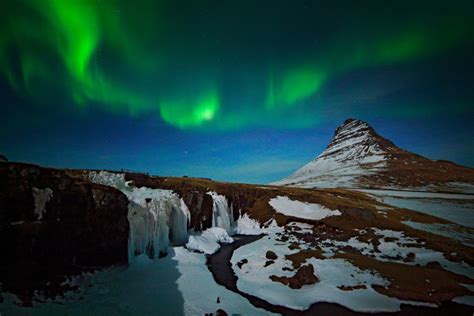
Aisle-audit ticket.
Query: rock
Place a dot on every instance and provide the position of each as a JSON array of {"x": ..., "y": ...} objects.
[
  {"x": 352, "y": 287},
  {"x": 268, "y": 262},
  {"x": 63, "y": 227},
  {"x": 241, "y": 263},
  {"x": 271, "y": 255},
  {"x": 221, "y": 312},
  {"x": 357, "y": 213},
  {"x": 294, "y": 246},
  {"x": 434, "y": 265},
  {"x": 410, "y": 257},
  {"x": 304, "y": 276}
]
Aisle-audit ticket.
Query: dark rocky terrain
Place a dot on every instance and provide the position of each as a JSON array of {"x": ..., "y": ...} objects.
[{"x": 81, "y": 226}]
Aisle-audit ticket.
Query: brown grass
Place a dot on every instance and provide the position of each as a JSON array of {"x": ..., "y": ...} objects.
[
  {"x": 300, "y": 257},
  {"x": 412, "y": 283}
]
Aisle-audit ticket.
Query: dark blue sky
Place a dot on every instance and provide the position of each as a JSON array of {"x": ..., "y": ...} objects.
[{"x": 244, "y": 92}]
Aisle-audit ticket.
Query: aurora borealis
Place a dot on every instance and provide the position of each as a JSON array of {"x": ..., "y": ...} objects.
[{"x": 174, "y": 86}]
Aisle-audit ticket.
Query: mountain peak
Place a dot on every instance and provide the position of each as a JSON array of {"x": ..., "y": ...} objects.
[
  {"x": 357, "y": 139},
  {"x": 358, "y": 156},
  {"x": 352, "y": 120},
  {"x": 355, "y": 143},
  {"x": 353, "y": 126}
]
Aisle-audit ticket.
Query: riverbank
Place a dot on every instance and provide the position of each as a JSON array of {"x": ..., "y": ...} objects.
[{"x": 221, "y": 268}]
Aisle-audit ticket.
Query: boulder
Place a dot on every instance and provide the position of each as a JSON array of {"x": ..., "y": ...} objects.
[{"x": 304, "y": 276}]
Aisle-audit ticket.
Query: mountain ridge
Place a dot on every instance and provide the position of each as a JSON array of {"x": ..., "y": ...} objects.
[{"x": 358, "y": 157}]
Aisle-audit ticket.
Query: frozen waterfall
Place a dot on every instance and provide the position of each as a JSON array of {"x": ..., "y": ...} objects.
[
  {"x": 222, "y": 214},
  {"x": 158, "y": 218}
]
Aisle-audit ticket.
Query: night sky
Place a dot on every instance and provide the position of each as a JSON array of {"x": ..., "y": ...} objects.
[{"x": 242, "y": 91}]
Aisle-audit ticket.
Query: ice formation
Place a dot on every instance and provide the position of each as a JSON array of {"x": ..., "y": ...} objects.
[
  {"x": 41, "y": 196},
  {"x": 222, "y": 214},
  {"x": 223, "y": 226},
  {"x": 247, "y": 226},
  {"x": 208, "y": 241},
  {"x": 157, "y": 217}
]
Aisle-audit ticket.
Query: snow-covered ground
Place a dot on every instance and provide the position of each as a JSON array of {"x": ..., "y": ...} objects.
[
  {"x": 465, "y": 236},
  {"x": 398, "y": 249},
  {"x": 457, "y": 208},
  {"x": 254, "y": 279},
  {"x": 286, "y": 206},
  {"x": 418, "y": 194},
  {"x": 334, "y": 274},
  {"x": 179, "y": 284},
  {"x": 461, "y": 187}
]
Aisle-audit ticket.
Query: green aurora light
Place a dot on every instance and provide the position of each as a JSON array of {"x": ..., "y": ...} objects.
[{"x": 150, "y": 57}]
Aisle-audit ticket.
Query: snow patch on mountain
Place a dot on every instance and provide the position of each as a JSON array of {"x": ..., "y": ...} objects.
[{"x": 353, "y": 150}]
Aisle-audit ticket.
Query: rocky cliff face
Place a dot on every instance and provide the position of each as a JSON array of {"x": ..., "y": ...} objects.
[
  {"x": 358, "y": 157},
  {"x": 53, "y": 225},
  {"x": 241, "y": 197}
]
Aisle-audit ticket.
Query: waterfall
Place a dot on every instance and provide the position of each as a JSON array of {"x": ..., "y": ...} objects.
[
  {"x": 157, "y": 218},
  {"x": 179, "y": 221},
  {"x": 222, "y": 214}
]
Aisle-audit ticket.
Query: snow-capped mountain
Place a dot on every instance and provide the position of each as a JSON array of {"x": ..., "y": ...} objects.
[{"x": 358, "y": 157}]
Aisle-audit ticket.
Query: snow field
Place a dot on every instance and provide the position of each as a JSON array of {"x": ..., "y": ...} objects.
[{"x": 286, "y": 206}]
